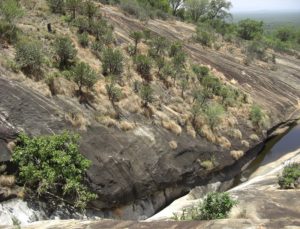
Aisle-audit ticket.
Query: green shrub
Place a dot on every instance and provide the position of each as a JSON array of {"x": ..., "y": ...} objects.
[
  {"x": 83, "y": 39},
  {"x": 256, "y": 115},
  {"x": 114, "y": 93},
  {"x": 8, "y": 32},
  {"x": 137, "y": 37},
  {"x": 112, "y": 62},
  {"x": 146, "y": 94},
  {"x": 249, "y": 29},
  {"x": 213, "y": 113},
  {"x": 133, "y": 8},
  {"x": 73, "y": 6},
  {"x": 11, "y": 10},
  {"x": 175, "y": 48},
  {"x": 285, "y": 34},
  {"x": 65, "y": 52},
  {"x": 179, "y": 60},
  {"x": 289, "y": 177},
  {"x": 82, "y": 24},
  {"x": 143, "y": 66},
  {"x": 56, "y": 6},
  {"x": 97, "y": 47},
  {"x": 200, "y": 71},
  {"x": 53, "y": 166},
  {"x": 205, "y": 35},
  {"x": 102, "y": 31},
  {"x": 159, "y": 46},
  {"x": 84, "y": 76},
  {"x": 216, "y": 206},
  {"x": 257, "y": 49},
  {"x": 29, "y": 57},
  {"x": 89, "y": 9}
]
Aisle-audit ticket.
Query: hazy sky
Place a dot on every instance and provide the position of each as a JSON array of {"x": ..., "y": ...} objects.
[{"x": 270, "y": 5}]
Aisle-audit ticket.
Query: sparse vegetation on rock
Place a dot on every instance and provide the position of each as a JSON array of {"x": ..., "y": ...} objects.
[{"x": 290, "y": 177}]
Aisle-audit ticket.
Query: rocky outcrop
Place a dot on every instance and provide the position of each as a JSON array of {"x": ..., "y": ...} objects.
[{"x": 136, "y": 173}]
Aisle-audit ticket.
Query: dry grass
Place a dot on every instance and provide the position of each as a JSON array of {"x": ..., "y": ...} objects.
[
  {"x": 77, "y": 120},
  {"x": 254, "y": 137},
  {"x": 208, "y": 134},
  {"x": 191, "y": 131},
  {"x": 237, "y": 154},
  {"x": 62, "y": 86},
  {"x": 107, "y": 121},
  {"x": 224, "y": 142},
  {"x": 131, "y": 104},
  {"x": 172, "y": 126},
  {"x": 11, "y": 146},
  {"x": 126, "y": 126},
  {"x": 173, "y": 145},
  {"x": 7, "y": 180},
  {"x": 235, "y": 133},
  {"x": 245, "y": 143},
  {"x": 208, "y": 165}
]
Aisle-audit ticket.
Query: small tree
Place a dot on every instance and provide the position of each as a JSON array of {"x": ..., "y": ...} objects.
[
  {"x": 183, "y": 85},
  {"x": 137, "y": 37},
  {"x": 29, "y": 57},
  {"x": 112, "y": 62},
  {"x": 73, "y": 6},
  {"x": 158, "y": 46},
  {"x": 11, "y": 10},
  {"x": 65, "y": 52},
  {"x": 249, "y": 29},
  {"x": 179, "y": 60},
  {"x": 216, "y": 206},
  {"x": 56, "y": 6},
  {"x": 213, "y": 113},
  {"x": 175, "y": 48},
  {"x": 84, "y": 76},
  {"x": 256, "y": 115},
  {"x": 146, "y": 95},
  {"x": 143, "y": 66},
  {"x": 90, "y": 9},
  {"x": 114, "y": 93},
  {"x": 53, "y": 166},
  {"x": 200, "y": 71},
  {"x": 83, "y": 39},
  {"x": 205, "y": 34}
]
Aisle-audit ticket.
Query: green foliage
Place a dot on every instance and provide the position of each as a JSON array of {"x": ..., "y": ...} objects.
[
  {"x": 114, "y": 93},
  {"x": 211, "y": 83},
  {"x": 159, "y": 46},
  {"x": 8, "y": 32},
  {"x": 102, "y": 31},
  {"x": 29, "y": 57},
  {"x": 213, "y": 113},
  {"x": 65, "y": 52},
  {"x": 83, "y": 39},
  {"x": 84, "y": 76},
  {"x": 289, "y": 177},
  {"x": 285, "y": 33},
  {"x": 89, "y": 9},
  {"x": 53, "y": 166},
  {"x": 216, "y": 206},
  {"x": 112, "y": 62},
  {"x": 137, "y": 37},
  {"x": 132, "y": 7},
  {"x": 56, "y": 6},
  {"x": 147, "y": 94},
  {"x": 82, "y": 24},
  {"x": 143, "y": 66},
  {"x": 184, "y": 83},
  {"x": 179, "y": 60},
  {"x": 205, "y": 35},
  {"x": 176, "y": 47},
  {"x": 200, "y": 71},
  {"x": 257, "y": 49},
  {"x": 73, "y": 6},
  {"x": 11, "y": 10},
  {"x": 257, "y": 115},
  {"x": 249, "y": 29}
]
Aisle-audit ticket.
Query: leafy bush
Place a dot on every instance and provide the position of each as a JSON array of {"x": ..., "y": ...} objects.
[
  {"x": 205, "y": 35},
  {"x": 53, "y": 166},
  {"x": 114, "y": 93},
  {"x": 285, "y": 34},
  {"x": 175, "y": 48},
  {"x": 73, "y": 6},
  {"x": 143, "y": 66},
  {"x": 137, "y": 37},
  {"x": 249, "y": 29},
  {"x": 213, "y": 113},
  {"x": 89, "y": 9},
  {"x": 147, "y": 94},
  {"x": 257, "y": 49},
  {"x": 29, "y": 57},
  {"x": 82, "y": 24},
  {"x": 84, "y": 76},
  {"x": 83, "y": 39},
  {"x": 200, "y": 71},
  {"x": 256, "y": 115},
  {"x": 290, "y": 176},
  {"x": 112, "y": 62},
  {"x": 133, "y": 8},
  {"x": 102, "y": 31},
  {"x": 56, "y": 6},
  {"x": 8, "y": 32},
  {"x": 216, "y": 206},
  {"x": 159, "y": 46},
  {"x": 65, "y": 52}
]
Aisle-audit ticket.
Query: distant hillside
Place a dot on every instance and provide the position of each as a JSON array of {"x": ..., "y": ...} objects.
[{"x": 271, "y": 19}]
